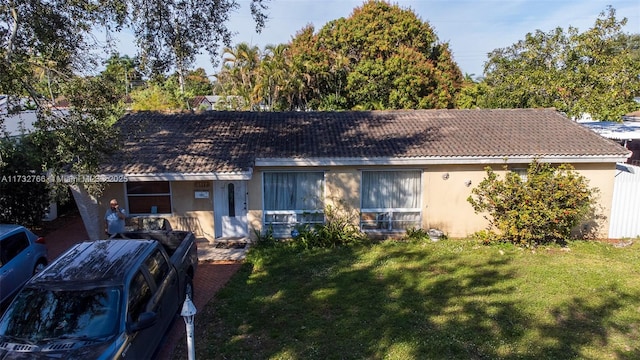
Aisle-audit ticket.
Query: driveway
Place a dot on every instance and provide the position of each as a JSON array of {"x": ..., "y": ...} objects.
[{"x": 211, "y": 274}]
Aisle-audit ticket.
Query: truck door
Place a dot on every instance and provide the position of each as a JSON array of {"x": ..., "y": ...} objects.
[
  {"x": 142, "y": 343},
  {"x": 154, "y": 288},
  {"x": 167, "y": 295}
]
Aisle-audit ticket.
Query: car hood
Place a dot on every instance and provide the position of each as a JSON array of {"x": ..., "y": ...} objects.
[{"x": 58, "y": 349}]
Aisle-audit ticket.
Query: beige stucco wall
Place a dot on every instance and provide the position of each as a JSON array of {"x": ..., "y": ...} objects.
[
  {"x": 444, "y": 197},
  {"x": 187, "y": 212},
  {"x": 445, "y": 192},
  {"x": 446, "y": 206},
  {"x": 601, "y": 176},
  {"x": 254, "y": 204}
]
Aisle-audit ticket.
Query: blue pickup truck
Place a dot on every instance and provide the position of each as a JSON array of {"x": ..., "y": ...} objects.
[{"x": 105, "y": 299}]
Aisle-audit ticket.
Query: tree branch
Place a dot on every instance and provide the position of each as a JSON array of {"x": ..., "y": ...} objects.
[{"x": 14, "y": 31}]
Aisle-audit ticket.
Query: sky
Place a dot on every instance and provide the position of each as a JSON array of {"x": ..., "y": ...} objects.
[{"x": 473, "y": 28}]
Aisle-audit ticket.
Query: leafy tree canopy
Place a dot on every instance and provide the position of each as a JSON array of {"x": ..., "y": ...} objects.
[
  {"x": 594, "y": 72},
  {"x": 381, "y": 57},
  {"x": 48, "y": 49},
  {"x": 24, "y": 193},
  {"x": 171, "y": 33},
  {"x": 165, "y": 94},
  {"x": 242, "y": 66},
  {"x": 123, "y": 74},
  {"x": 48, "y": 55}
]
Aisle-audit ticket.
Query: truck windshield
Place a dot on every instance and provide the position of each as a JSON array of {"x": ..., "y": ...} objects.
[{"x": 44, "y": 314}]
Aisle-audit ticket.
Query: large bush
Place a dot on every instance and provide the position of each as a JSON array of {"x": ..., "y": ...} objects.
[
  {"x": 24, "y": 190},
  {"x": 541, "y": 208}
]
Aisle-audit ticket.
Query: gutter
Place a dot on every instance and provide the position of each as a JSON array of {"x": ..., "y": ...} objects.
[
  {"x": 386, "y": 161},
  {"x": 441, "y": 160},
  {"x": 126, "y": 177}
]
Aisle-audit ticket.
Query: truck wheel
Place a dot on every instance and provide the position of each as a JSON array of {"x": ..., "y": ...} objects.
[{"x": 188, "y": 288}]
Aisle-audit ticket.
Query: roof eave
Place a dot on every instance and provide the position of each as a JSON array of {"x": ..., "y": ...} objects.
[
  {"x": 125, "y": 177},
  {"x": 439, "y": 160}
]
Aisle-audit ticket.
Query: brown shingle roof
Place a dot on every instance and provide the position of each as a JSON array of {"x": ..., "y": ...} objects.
[{"x": 224, "y": 142}]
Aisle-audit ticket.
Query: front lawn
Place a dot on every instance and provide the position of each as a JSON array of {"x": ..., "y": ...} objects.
[{"x": 430, "y": 300}]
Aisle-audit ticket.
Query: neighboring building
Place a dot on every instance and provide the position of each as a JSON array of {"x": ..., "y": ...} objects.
[
  {"x": 19, "y": 117},
  {"x": 215, "y": 102},
  {"x": 235, "y": 174},
  {"x": 16, "y": 123},
  {"x": 203, "y": 103},
  {"x": 626, "y": 133},
  {"x": 632, "y": 116}
]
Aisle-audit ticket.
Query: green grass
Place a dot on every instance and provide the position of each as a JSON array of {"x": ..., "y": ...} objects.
[{"x": 444, "y": 300}]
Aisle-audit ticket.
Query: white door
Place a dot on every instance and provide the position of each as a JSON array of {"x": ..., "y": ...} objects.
[{"x": 230, "y": 209}]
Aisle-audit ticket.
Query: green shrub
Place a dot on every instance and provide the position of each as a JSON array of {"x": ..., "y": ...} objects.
[
  {"x": 265, "y": 240},
  {"x": 419, "y": 234},
  {"x": 340, "y": 228},
  {"x": 416, "y": 234},
  {"x": 486, "y": 237},
  {"x": 544, "y": 208}
]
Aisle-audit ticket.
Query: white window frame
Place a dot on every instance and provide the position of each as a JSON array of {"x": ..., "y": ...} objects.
[
  {"x": 283, "y": 221},
  {"x": 390, "y": 219}
]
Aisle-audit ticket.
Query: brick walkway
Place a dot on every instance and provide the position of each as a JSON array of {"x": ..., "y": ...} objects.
[{"x": 210, "y": 277}]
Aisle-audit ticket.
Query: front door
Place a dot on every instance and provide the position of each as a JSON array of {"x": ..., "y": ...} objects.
[{"x": 230, "y": 209}]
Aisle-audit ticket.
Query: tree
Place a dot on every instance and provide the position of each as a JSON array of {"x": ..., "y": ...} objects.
[
  {"x": 122, "y": 72},
  {"x": 239, "y": 75},
  {"x": 594, "y": 72},
  {"x": 272, "y": 75},
  {"x": 78, "y": 139},
  {"x": 47, "y": 55},
  {"x": 24, "y": 190},
  {"x": 545, "y": 207},
  {"x": 46, "y": 45},
  {"x": 381, "y": 57},
  {"x": 197, "y": 83},
  {"x": 38, "y": 34},
  {"x": 158, "y": 96},
  {"x": 173, "y": 32},
  {"x": 473, "y": 94}
]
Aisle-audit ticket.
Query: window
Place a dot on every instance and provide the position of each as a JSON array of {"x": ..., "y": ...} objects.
[
  {"x": 231, "y": 199},
  {"x": 139, "y": 296},
  {"x": 390, "y": 200},
  {"x": 12, "y": 245},
  {"x": 522, "y": 172},
  {"x": 158, "y": 267},
  {"x": 292, "y": 198},
  {"x": 149, "y": 197},
  {"x": 38, "y": 314}
]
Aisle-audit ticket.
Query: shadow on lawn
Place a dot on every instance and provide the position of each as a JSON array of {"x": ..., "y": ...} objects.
[{"x": 332, "y": 304}]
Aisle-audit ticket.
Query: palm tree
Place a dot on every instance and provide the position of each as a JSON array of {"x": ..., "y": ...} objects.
[
  {"x": 240, "y": 64},
  {"x": 273, "y": 74}
]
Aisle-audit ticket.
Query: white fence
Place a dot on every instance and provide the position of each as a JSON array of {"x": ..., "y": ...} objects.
[{"x": 625, "y": 208}]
